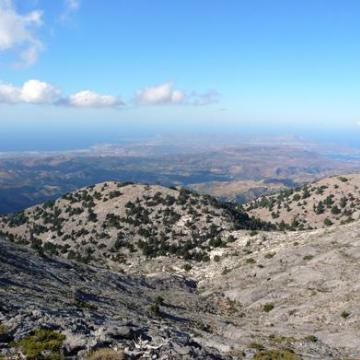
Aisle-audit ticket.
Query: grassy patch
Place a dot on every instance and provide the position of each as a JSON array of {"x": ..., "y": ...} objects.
[
  {"x": 106, "y": 354},
  {"x": 41, "y": 344},
  {"x": 257, "y": 346},
  {"x": 275, "y": 355},
  {"x": 282, "y": 339}
]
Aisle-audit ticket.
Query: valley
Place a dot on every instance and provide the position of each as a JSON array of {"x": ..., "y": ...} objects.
[
  {"x": 149, "y": 271},
  {"x": 233, "y": 169}
]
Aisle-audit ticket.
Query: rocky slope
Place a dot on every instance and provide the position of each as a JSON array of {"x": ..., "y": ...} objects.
[
  {"x": 115, "y": 224},
  {"x": 254, "y": 295},
  {"x": 92, "y": 308},
  {"x": 292, "y": 294},
  {"x": 333, "y": 200}
]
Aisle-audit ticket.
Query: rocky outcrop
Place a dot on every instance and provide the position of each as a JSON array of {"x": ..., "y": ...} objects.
[{"x": 95, "y": 308}]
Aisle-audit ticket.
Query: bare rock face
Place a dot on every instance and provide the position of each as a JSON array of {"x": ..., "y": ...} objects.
[{"x": 96, "y": 308}]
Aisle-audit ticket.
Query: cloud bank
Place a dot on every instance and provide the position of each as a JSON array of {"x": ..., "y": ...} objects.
[
  {"x": 18, "y": 33},
  {"x": 40, "y": 92}
]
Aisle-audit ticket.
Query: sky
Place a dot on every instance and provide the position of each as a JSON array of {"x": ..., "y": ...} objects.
[{"x": 77, "y": 72}]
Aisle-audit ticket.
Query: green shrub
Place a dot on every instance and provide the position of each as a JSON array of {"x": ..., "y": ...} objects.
[
  {"x": 275, "y": 355},
  {"x": 4, "y": 336},
  {"x": 187, "y": 267},
  {"x": 159, "y": 300},
  {"x": 335, "y": 210},
  {"x": 311, "y": 338},
  {"x": 41, "y": 341},
  {"x": 345, "y": 314},
  {"x": 268, "y": 307},
  {"x": 155, "y": 309}
]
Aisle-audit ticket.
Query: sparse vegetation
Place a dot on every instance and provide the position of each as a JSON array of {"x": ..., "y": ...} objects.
[
  {"x": 257, "y": 346},
  {"x": 268, "y": 307},
  {"x": 145, "y": 222},
  {"x": 311, "y": 338},
  {"x": 41, "y": 344},
  {"x": 323, "y": 203},
  {"x": 182, "y": 229},
  {"x": 155, "y": 309},
  {"x": 345, "y": 314},
  {"x": 275, "y": 355},
  {"x": 106, "y": 354},
  {"x": 187, "y": 267}
]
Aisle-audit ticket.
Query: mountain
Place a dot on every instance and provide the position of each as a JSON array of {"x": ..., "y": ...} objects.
[
  {"x": 332, "y": 200},
  {"x": 116, "y": 224},
  {"x": 219, "y": 285},
  {"x": 230, "y": 168},
  {"x": 243, "y": 191}
]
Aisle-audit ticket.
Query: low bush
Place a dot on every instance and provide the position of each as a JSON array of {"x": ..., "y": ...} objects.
[{"x": 41, "y": 344}]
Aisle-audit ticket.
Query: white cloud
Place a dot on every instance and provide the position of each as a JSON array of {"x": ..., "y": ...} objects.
[
  {"x": 39, "y": 92},
  {"x": 166, "y": 94},
  {"x": 18, "y": 32},
  {"x": 32, "y": 92},
  {"x": 160, "y": 94},
  {"x": 89, "y": 98},
  {"x": 9, "y": 94}
]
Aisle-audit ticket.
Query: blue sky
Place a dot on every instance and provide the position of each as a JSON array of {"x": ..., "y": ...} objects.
[{"x": 140, "y": 64}]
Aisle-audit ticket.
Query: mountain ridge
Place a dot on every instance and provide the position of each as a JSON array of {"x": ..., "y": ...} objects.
[{"x": 252, "y": 294}]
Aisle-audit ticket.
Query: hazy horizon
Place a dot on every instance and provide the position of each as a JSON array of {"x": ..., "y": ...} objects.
[
  {"x": 77, "y": 73},
  {"x": 75, "y": 138}
]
